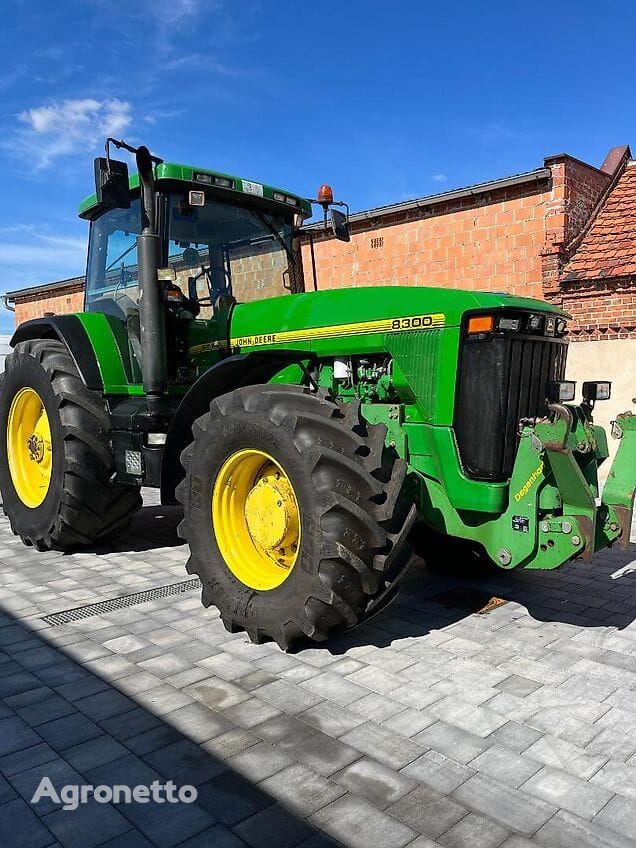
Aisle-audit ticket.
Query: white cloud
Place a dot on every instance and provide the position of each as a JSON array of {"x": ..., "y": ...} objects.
[
  {"x": 8, "y": 79},
  {"x": 68, "y": 127},
  {"x": 199, "y": 62},
  {"x": 439, "y": 178},
  {"x": 155, "y": 115},
  {"x": 161, "y": 21}
]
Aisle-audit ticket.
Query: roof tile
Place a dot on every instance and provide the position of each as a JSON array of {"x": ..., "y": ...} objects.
[{"x": 609, "y": 246}]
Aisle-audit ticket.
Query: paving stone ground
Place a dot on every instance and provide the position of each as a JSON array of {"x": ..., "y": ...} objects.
[{"x": 432, "y": 725}]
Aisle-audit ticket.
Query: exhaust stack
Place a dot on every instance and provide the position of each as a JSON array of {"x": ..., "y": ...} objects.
[{"x": 151, "y": 311}]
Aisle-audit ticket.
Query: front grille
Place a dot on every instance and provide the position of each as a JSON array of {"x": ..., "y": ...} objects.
[{"x": 501, "y": 380}]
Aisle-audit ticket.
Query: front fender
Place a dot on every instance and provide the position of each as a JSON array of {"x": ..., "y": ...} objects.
[{"x": 225, "y": 376}]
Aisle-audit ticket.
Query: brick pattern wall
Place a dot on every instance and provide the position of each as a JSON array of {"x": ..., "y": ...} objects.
[
  {"x": 601, "y": 309},
  {"x": 257, "y": 272},
  {"x": 516, "y": 239},
  {"x": 489, "y": 242},
  {"x": 576, "y": 189},
  {"x": 60, "y": 301}
]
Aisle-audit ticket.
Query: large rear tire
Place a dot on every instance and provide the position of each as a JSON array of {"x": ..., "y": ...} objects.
[
  {"x": 56, "y": 472},
  {"x": 294, "y": 478}
]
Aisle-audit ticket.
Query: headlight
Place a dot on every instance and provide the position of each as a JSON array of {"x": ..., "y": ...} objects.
[
  {"x": 535, "y": 323},
  {"x": 559, "y": 391},
  {"x": 597, "y": 390},
  {"x": 509, "y": 324}
]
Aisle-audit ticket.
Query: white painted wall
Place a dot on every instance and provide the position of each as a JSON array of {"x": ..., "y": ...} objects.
[
  {"x": 4, "y": 350},
  {"x": 612, "y": 359}
]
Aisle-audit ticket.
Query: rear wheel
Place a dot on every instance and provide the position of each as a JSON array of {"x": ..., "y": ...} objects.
[
  {"x": 56, "y": 473},
  {"x": 293, "y": 512}
]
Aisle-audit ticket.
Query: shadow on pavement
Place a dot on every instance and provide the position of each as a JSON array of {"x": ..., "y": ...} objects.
[
  {"x": 578, "y": 594},
  {"x": 597, "y": 595},
  {"x": 152, "y": 527},
  {"x": 60, "y": 720}
]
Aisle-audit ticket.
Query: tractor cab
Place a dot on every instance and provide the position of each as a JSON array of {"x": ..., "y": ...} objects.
[
  {"x": 210, "y": 240},
  {"x": 215, "y": 244}
]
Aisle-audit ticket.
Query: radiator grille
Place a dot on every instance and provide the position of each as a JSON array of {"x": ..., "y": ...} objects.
[
  {"x": 501, "y": 380},
  {"x": 418, "y": 355}
]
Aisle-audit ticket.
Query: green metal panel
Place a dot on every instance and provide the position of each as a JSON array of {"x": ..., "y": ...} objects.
[
  {"x": 168, "y": 171},
  {"x": 108, "y": 353},
  {"x": 417, "y": 354},
  {"x": 434, "y": 455},
  {"x": 620, "y": 488},
  {"x": 269, "y": 323}
]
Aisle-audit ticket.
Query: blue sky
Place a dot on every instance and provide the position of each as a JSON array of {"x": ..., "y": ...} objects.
[{"x": 383, "y": 101}]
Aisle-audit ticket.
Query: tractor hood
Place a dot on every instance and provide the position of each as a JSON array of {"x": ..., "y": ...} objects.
[{"x": 327, "y": 319}]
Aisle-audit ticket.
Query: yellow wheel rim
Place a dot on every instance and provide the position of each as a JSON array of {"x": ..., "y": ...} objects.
[
  {"x": 256, "y": 519},
  {"x": 29, "y": 449}
]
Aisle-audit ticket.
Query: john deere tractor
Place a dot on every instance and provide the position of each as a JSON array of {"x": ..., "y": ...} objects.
[{"x": 312, "y": 437}]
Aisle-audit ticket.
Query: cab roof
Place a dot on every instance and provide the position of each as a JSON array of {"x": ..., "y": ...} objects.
[{"x": 202, "y": 177}]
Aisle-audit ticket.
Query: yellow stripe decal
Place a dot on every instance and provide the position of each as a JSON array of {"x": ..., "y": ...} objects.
[{"x": 384, "y": 325}]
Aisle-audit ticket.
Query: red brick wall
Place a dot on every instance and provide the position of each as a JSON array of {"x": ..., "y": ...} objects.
[
  {"x": 510, "y": 239},
  {"x": 489, "y": 242},
  {"x": 601, "y": 309},
  {"x": 59, "y": 301},
  {"x": 576, "y": 189}
]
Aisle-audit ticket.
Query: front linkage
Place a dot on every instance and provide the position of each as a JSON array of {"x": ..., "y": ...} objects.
[{"x": 554, "y": 513}]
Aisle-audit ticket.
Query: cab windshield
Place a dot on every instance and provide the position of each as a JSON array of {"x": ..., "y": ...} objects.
[
  {"x": 215, "y": 250},
  {"x": 222, "y": 249}
]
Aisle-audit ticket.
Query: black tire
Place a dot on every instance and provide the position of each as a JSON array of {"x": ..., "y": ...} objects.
[
  {"x": 354, "y": 519},
  {"x": 83, "y": 506}
]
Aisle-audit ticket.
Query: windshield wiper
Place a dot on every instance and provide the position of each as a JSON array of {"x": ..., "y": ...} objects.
[
  {"x": 125, "y": 253},
  {"x": 272, "y": 229}
]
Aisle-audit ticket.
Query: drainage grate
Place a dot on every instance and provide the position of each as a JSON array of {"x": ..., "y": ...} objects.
[{"x": 65, "y": 616}]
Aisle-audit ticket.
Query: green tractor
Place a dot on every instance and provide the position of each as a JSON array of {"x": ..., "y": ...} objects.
[{"x": 314, "y": 439}]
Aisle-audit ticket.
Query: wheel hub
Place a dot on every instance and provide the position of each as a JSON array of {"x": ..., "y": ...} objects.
[
  {"x": 35, "y": 445},
  {"x": 271, "y": 513},
  {"x": 256, "y": 519},
  {"x": 29, "y": 450}
]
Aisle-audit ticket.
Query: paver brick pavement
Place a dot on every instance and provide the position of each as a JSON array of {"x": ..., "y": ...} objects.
[{"x": 431, "y": 725}]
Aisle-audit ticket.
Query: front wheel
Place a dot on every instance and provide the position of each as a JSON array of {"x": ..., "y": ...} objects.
[
  {"x": 294, "y": 513},
  {"x": 56, "y": 473}
]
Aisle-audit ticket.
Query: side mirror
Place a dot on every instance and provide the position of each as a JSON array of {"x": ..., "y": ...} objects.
[
  {"x": 111, "y": 183},
  {"x": 340, "y": 225}
]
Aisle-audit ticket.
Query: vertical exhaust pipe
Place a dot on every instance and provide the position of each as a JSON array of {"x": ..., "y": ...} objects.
[{"x": 151, "y": 308}]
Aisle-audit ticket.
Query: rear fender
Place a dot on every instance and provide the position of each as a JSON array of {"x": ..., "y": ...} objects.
[{"x": 70, "y": 330}]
